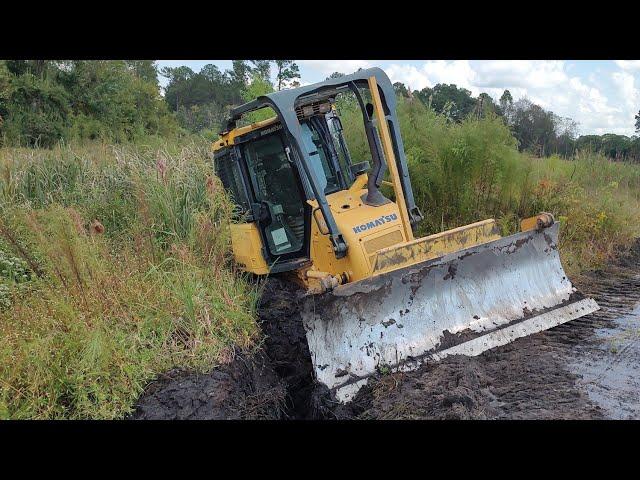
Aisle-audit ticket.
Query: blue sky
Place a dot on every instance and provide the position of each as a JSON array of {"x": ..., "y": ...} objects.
[{"x": 603, "y": 96}]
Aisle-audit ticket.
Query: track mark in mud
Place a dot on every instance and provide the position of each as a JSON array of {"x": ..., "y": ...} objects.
[{"x": 246, "y": 388}]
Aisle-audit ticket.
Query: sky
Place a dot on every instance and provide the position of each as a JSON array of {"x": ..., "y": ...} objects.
[{"x": 602, "y": 96}]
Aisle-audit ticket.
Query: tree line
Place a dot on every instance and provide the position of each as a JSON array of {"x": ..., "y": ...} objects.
[
  {"x": 44, "y": 101},
  {"x": 202, "y": 100},
  {"x": 538, "y": 131}
]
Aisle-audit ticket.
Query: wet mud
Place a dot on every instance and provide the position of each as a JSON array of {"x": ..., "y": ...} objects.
[
  {"x": 585, "y": 369},
  {"x": 246, "y": 388}
]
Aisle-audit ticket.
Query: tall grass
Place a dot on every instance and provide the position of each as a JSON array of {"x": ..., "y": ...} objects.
[
  {"x": 126, "y": 253},
  {"x": 597, "y": 201}
]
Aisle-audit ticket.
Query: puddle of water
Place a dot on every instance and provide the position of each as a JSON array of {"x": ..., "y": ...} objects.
[{"x": 611, "y": 370}]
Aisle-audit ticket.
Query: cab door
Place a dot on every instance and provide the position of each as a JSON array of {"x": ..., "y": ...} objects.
[{"x": 278, "y": 193}]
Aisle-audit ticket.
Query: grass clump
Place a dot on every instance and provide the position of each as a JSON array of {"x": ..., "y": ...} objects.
[{"x": 107, "y": 305}]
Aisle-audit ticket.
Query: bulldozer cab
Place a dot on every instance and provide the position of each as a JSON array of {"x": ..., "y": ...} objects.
[{"x": 275, "y": 168}]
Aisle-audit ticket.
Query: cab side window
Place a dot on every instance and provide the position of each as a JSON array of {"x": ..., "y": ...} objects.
[{"x": 228, "y": 170}]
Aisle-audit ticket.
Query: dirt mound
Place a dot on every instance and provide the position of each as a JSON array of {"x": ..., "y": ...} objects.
[{"x": 247, "y": 388}]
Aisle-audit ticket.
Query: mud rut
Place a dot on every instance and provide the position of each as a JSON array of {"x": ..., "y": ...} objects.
[{"x": 553, "y": 374}]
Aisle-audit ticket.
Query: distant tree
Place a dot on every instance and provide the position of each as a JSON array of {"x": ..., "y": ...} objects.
[
  {"x": 45, "y": 101},
  {"x": 241, "y": 72},
  {"x": 506, "y": 105},
  {"x": 288, "y": 73},
  {"x": 261, "y": 68},
  {"x": 335, "y": 75},
  {"x": 38, "y": 68},
  {"x": 212, "y": 73},
  {"x": 590, "y": 143},
  {"x": 5, "y": 91},
  {"x": 201, "y": 100},
  {"x": 485, "y": 105},
  {"x": 506, "y": 99},
  {"x": 401, "y": 89},
  {"x": 456, "y": 102},
  {"x": 258, "y": 86},
  {"x": 635, "y": 148},
  {"x": 566, "y": 130},
  {"x": 616, "y": 146},
  {"x": 533, "y": 127},
  {"x": 145, "y": 69},
  {"x": 638, "y": 122},
  {"x": 176, "y": 74}
]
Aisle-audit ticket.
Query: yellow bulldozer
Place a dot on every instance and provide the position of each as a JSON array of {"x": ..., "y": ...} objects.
[{"x": 377, "y": 298}]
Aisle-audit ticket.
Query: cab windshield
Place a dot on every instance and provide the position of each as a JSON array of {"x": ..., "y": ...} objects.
[{"x": 318, "y": 142}]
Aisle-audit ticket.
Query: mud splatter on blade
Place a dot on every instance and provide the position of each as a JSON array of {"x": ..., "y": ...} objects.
[{"x": 464, "y": 303}]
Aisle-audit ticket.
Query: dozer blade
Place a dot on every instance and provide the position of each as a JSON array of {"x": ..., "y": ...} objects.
[{"x": 464, "y": 303}]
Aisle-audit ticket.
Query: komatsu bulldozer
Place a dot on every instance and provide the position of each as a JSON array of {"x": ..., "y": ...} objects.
[{"x": 377, "y": 299}]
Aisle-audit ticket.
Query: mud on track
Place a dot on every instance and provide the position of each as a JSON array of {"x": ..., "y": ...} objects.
[{"x": 569, "y": 372}]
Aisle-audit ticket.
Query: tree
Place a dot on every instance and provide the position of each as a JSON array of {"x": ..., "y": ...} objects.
[
  {"x": 145, "y": 69},
  {"x": 566, "y": 132},
  {"x": 616, "y": 146},
  {"x": 401, "y": 89},
  {"x": 288, "y": 73},
  {"x": 533, "y": 127},
  {"x": 5, "y": 91},
  {"x": 241, "y": 72},
  {"x": 259, "y": 86},
  {"x": 262, "y": 68},
  {"x": 42, "y": 102},
  {"x": 506, "y": 99},
  {"x": 456, "y": 102},
  {"x": 201, "y": 100},
  {"x": 485, "y": 105},
  {"x": 638, "y": 122},
  {"x": 506, "y": 106}
]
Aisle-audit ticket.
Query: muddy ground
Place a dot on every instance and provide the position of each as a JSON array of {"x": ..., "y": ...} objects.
[{"x": 584, "y": 369}]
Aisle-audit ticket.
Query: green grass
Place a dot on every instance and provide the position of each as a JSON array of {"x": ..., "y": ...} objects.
[{"x": 88, "y": 318}]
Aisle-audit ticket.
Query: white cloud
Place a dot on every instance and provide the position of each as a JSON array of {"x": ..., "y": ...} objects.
[
  {"x": 527, "y": 74},
  {"x": 632, "y": 65},
  {"x": 433, "y": 72},
  {"x": 626, "y": 86},
  {"x": 588, "y": 97},
  {"x": 409, "y": 75},
  {"x": 327, "y": 67}
]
